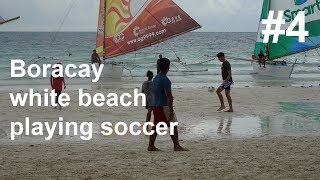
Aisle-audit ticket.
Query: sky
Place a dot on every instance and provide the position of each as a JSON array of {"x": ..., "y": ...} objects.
[{"x": 47, "y": 15}]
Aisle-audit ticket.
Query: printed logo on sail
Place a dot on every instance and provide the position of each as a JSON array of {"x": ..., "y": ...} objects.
[
  {"x": 310, "y": 9},
  {"x": 299, "y": 2},
  {"x": 118, "y": 38},
  {"x": 165, "y": 21},
  {"x": 138, "y": 31}
]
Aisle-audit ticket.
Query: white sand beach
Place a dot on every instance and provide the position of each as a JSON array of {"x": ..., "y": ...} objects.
[{"x": 229, "y": 156}]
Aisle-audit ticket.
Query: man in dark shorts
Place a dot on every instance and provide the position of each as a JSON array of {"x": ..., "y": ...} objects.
[
  {"x": 95, "y": 58},
  {"x": 227, "y": 82},
  {"x": 163, "y": 105}
]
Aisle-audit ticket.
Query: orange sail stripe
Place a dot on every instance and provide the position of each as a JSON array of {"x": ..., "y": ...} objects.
[{"x": 100, "y": 31}]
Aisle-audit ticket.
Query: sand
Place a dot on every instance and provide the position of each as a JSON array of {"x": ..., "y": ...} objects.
[{"x": 114, "y": 157}]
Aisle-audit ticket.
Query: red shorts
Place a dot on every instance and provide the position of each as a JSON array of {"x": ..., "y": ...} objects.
[{"x": 161, "y": 114}]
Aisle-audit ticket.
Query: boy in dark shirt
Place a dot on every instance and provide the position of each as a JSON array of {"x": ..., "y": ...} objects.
[{"x": 227, "y": 82}]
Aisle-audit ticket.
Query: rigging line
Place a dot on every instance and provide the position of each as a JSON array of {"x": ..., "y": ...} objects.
[
  {"x": 54, "y": 33},
  {"x": 62, "y": 21}
]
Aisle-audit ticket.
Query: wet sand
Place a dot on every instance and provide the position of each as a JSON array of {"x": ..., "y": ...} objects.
[
  {"x": 213, "y": 154},
  {"x": 274, "y": 158}
]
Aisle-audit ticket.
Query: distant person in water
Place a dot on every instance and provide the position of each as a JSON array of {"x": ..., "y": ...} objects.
[
  {"x": 267, "y": 55},
  {"x": 95, "y": 58},
  {"x": 58, "y": 84},
  {"x": 163, "y": 105},
  {"x": 160, "y": 57},
  {"x": 227, "y": 82},
  {"x": 262, "y": 59},
  {"x": 147, "y": 88}
]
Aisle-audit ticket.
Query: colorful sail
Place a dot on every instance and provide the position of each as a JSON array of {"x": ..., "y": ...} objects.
[
  {"x": 134, "y": 24},
  {"x": 291, "y": 45}
]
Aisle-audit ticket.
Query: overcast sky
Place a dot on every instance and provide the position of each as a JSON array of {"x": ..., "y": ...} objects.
[{"x": 46, "y": 15}]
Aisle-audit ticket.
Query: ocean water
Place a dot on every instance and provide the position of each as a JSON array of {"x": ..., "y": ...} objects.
[{"x": 192, "y": 48}]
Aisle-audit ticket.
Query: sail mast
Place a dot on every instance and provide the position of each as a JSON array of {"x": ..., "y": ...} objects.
[
  {"x": 104, "y": 29},
  {"x": 100, "y": 45},
  {"x": 267, "y": 45},
  {"x": 9, "y": 20}
]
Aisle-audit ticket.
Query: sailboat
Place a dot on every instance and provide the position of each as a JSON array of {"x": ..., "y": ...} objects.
[
  {"x": 3, "y": 21},
  {"x": 286, "y": 46},
  {"x": 125, "y": 26}
]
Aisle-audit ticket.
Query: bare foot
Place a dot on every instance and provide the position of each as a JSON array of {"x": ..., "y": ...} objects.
[
  {"x": 221, "y": 108},
  {"x": 230, "y": 110},
  {"x": 179, "y": 148},
  {"x": 153, "y": 149}
]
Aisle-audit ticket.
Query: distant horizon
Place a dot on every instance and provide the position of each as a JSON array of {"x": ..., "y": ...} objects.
[{"x": 82, "y": 15}]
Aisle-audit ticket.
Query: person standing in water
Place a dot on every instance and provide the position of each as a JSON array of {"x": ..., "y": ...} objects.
[
  {"x": 262, "y": 59},
  {"x": 57, "y": 85},
  {"x": 227, "y": 82},
  {"x": 147, "y": 88},
  {"x": 95, "y": 58},
  {"x": 160, "y": 57},
  {"x": 163, "y": 105}
]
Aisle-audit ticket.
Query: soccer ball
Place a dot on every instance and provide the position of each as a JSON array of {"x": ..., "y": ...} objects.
[{"x": 211, "y": 89}]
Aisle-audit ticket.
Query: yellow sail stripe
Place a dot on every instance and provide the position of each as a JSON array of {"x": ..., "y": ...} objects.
[{"x": 99, "y": 49}]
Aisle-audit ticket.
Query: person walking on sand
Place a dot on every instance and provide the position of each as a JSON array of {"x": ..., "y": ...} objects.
[
  {"x": 56, "y": 85},
  {"x": 163, "y": 105},
  {"x": 147, "y": 87},
  {"x": 227, "y": 82}
]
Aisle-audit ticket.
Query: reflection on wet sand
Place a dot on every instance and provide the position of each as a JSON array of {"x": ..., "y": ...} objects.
[
  {"x": 225, "y": 120},
  {"x": 294, "y": 119}
]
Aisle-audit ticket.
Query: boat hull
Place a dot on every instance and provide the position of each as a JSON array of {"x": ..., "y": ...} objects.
[
  {"x": 273, "y": 70},
  {"x": 112, "y": 71}
]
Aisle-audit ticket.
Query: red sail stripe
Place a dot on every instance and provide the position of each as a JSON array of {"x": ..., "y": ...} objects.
[{"x": 158, "y": 21}]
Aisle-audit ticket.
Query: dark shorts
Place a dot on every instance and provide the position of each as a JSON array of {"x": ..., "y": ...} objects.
[
  {"x": 227, "y": 86},
  {"x": 58, "y": 92}
]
